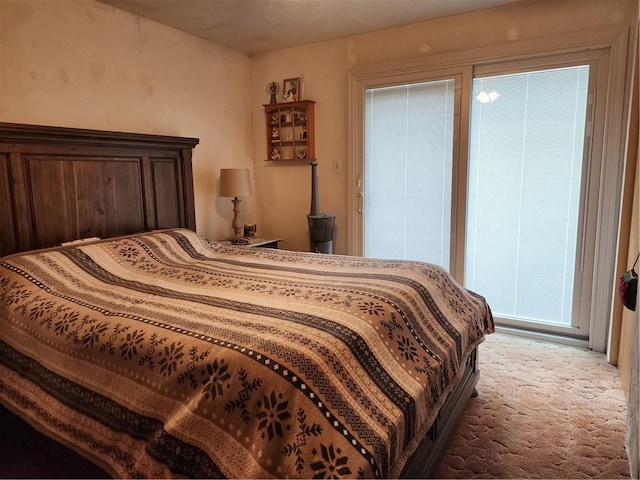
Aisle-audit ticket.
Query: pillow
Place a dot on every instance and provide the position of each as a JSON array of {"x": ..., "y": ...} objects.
[{"x": 79, "y": 241}]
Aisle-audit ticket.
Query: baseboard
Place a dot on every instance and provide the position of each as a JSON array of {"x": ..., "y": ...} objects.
[{"x": 545, "y": 337}]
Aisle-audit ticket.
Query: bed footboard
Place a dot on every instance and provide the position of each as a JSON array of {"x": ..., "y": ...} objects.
[{"x": 424, "y": 461}]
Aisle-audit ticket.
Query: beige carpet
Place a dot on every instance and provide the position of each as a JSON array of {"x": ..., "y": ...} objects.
[{"x": 544, "y": 411}]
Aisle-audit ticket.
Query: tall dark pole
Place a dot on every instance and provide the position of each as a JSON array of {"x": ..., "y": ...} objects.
[
  {"x": 320, "y": 224},
  {"x": 315, "y": 205}
]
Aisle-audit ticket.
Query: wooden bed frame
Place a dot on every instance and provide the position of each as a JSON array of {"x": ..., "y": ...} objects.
[{"x": 62, "y": 184}]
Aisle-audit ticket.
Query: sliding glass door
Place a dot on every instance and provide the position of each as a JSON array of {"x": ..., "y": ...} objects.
[
  {"x": 505, "y": 203},
  {"x": 526, "y": 170}
]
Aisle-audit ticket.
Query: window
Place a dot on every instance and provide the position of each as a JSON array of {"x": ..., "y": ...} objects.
[
  {"x": 525, "y": 173},
  {"x": 408, "y": 160}
]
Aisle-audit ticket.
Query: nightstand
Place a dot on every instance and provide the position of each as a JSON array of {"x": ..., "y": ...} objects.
[{"x": 255, "y": 242}]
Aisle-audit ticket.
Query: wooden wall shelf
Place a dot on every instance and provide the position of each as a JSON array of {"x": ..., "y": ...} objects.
[{"x": 290, "y": 132}]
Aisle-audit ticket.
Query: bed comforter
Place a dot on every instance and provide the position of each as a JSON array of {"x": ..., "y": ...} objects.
[{"x": 167, "y": 354}]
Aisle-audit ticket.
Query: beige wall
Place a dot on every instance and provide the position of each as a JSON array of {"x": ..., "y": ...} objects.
[
  {"x": 81, "y": 63},
  {"x": 284, "y": 190}
]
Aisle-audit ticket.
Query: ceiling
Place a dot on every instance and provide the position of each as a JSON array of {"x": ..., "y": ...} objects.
[{"x": 255, "y": 26}]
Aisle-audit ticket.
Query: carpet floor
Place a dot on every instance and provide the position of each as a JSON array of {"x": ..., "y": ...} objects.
[{"x": 544, "y": 411}]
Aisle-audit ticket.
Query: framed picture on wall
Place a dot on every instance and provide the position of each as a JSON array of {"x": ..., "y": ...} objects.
[{"x": 291, "y": 90}]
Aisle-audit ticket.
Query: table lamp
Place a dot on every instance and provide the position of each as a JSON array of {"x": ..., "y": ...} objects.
[{"x": 235, "y": 182}]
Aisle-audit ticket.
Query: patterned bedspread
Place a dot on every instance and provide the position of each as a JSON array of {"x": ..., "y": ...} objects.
[{"x": 167, "y": 354}]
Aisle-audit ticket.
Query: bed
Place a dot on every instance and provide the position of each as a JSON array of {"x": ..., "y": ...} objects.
[{"x": 156, "y": 352}]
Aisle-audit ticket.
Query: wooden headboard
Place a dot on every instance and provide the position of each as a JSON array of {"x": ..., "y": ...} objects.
[{"x": 61, "y": 184}]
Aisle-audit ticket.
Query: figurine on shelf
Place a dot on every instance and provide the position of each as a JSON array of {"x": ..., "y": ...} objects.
[
  {"x": 288, "y": 137},
  {"x": 274, "y": 118},
  {"x": 273, "y": 88},
  {"x": 302, "y": 154},
  {"x": 285, "y": 117},
  {"x": 275, "y": 154},
  {"x": 303, "y": 134},
  {"x": 275, "y": 134},
  {"x": 290, "y": 96}
]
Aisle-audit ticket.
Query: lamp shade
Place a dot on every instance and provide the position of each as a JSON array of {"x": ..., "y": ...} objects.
[{"x": 235, "y": 182}]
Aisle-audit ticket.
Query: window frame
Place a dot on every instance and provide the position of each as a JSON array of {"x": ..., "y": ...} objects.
[{"x": 612, "y": 145}]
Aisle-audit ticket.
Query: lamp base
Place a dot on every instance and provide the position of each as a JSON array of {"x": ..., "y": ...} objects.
[{"x": 236, "y": 223}]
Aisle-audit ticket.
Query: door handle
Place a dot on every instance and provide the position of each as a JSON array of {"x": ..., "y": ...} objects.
[{"x": 360, "y": 202}]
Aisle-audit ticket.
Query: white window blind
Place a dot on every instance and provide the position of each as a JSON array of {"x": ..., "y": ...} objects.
[
  {"x": 408, "y": 166},
  {"x": 525, "y": 167}
]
